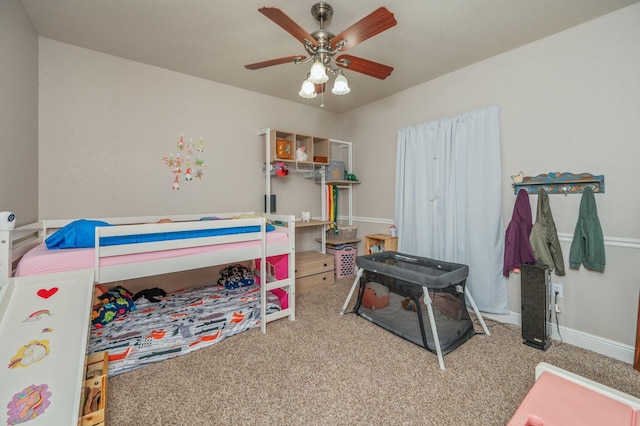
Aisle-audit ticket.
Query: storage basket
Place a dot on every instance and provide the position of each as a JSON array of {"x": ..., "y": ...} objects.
[
  {"x": 345, "y": 232},
  {"x": 345, "y": 259}
]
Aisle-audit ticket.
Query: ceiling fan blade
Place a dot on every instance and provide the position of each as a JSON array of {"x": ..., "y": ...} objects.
[
  {"x": 376, "y": 22},
  {"x": 365, "y": 66},
  {"x": 287, "y": 24},
  {"x": 272, "y": 62}
]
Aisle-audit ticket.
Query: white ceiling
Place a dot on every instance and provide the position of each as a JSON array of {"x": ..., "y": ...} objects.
[{"x": 215, "y": 39}]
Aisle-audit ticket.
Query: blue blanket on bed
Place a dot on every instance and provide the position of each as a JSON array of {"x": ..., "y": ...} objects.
[{"x": 81, "y": 234}]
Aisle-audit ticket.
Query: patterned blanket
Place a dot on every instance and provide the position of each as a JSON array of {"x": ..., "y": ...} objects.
[{"x": 182, "y": 322}]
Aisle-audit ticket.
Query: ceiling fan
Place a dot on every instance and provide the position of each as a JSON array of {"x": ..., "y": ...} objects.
[{"x": 322, "y": 48}]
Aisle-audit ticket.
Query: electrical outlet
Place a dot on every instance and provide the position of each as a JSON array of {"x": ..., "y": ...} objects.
[{"x": 557, "y": 288}]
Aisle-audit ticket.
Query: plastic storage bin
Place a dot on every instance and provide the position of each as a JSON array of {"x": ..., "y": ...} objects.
[
  {"x": 344, "y": 232},
  {"x": 345, "y": 259}
]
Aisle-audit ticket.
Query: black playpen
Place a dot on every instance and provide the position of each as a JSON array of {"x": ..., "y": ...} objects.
[{"x": 419, "y": 299}]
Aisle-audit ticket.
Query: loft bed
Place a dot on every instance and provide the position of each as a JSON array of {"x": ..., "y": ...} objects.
[
  {"x": 151, "y": 248},
  {"x": 40, "y": 306}
]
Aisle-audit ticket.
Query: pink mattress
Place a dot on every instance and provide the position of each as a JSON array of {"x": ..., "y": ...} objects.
[
  {"x": 41, "y": 260},
  {"x": 554, "y": 400}
]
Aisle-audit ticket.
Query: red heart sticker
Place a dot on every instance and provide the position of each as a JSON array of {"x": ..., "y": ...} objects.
[{"x": 45, "y": 294}]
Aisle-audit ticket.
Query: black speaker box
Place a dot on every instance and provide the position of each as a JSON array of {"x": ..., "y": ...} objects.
[
  {"x": 534, "y": 281},
  {"x": 272, "y": 200}
]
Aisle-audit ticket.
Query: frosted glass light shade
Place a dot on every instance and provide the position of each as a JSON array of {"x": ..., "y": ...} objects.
[
  {"x": 318, "y": 74},
  {"x": 307, "y": 90},
  {"x": 341, "y": 86}
]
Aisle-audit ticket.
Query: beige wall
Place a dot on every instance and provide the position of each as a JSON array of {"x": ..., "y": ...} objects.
[
  {"x": 18, "y": 113},
  {"x": 107, "y": 122},
  {"x": 569, "y": 103}
]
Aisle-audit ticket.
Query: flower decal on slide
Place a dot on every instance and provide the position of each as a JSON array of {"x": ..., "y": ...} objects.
[{"x": 28, "y": 404}]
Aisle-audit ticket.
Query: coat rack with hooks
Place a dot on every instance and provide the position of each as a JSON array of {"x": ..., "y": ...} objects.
[{"x": 560, "y": 183}]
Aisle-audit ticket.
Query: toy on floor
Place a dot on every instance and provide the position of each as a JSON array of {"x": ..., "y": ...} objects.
[{"x": 375, "y": 296}]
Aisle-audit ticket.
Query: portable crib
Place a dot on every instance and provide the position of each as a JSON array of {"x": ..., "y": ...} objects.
[{"x": 409, "y": 287}]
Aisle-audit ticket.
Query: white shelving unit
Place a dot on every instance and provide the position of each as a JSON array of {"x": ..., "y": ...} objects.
[{"x": 315, "y": 145}]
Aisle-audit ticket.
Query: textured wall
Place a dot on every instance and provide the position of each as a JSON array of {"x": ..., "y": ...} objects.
[
  {"x": 18, "y": 113},
  {"x": 106, "y": 124},
  {"x": 569, "y": 103}
]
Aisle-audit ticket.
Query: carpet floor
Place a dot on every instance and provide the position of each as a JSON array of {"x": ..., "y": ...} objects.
[{"x": 328, "y": 369}]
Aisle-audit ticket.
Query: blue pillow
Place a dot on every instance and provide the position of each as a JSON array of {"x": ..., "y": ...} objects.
[{"x": 77, "y": 234}]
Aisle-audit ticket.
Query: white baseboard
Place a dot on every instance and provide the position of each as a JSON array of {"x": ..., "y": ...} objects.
[{"x": 577, "y": 338}]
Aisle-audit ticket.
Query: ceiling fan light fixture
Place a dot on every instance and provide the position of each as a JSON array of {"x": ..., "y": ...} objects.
[
  {"x": 307, "y": 90},
  {"x": 318, "y": 73},
  {"x": 322, "y": 46},
  {"x": 341, "y": 86}
]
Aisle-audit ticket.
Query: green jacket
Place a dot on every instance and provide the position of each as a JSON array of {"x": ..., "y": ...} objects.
[
  {"x": 587, "y": 247},
  {"x": 544, "y": 237}
]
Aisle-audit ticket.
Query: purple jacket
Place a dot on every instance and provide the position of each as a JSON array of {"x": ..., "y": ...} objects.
[{"x": 517, "y": 248}]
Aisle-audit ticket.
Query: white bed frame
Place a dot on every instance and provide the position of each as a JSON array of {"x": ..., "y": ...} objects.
[
  {"x": 16, "y": 243},
  {"x": 71, "y": 305}
]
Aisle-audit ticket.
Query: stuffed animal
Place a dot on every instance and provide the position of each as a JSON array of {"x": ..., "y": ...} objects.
[
  {"x": 375, "y": 296},
  {"x": 517, "y": 178},
  {"x": 235, "y": 276},
  {"x": 409, "y": 305},
  {"x": 301, "y": 155},
  {"x": 350, "y": 177},
  {"x": 99, "y": 290}
]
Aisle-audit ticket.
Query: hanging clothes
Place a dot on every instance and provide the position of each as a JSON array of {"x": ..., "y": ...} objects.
[
  {"x": 517, "y": 248},
  {"x": 544, "y": 237},
  {"x": 334, "y": 192},
  {"x": 587, "y": 247},
  {"x": 332, "y": 206},
  {"x": 329, "y": 207}
]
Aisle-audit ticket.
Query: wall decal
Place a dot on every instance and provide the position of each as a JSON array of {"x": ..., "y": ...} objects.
[
  {"x": 180, "y": 164},
  {"x": 38, "y": 315},
  {"x": 28, "y": 404},
  {"x": 32, "y": 352},
  {"x": 47, "y": 293}
]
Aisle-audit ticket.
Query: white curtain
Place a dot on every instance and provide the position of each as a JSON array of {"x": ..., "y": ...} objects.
[{"x": 448, "y": 199}]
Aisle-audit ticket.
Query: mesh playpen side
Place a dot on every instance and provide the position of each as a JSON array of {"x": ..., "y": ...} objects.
[{"x": 419, "y": 299}]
